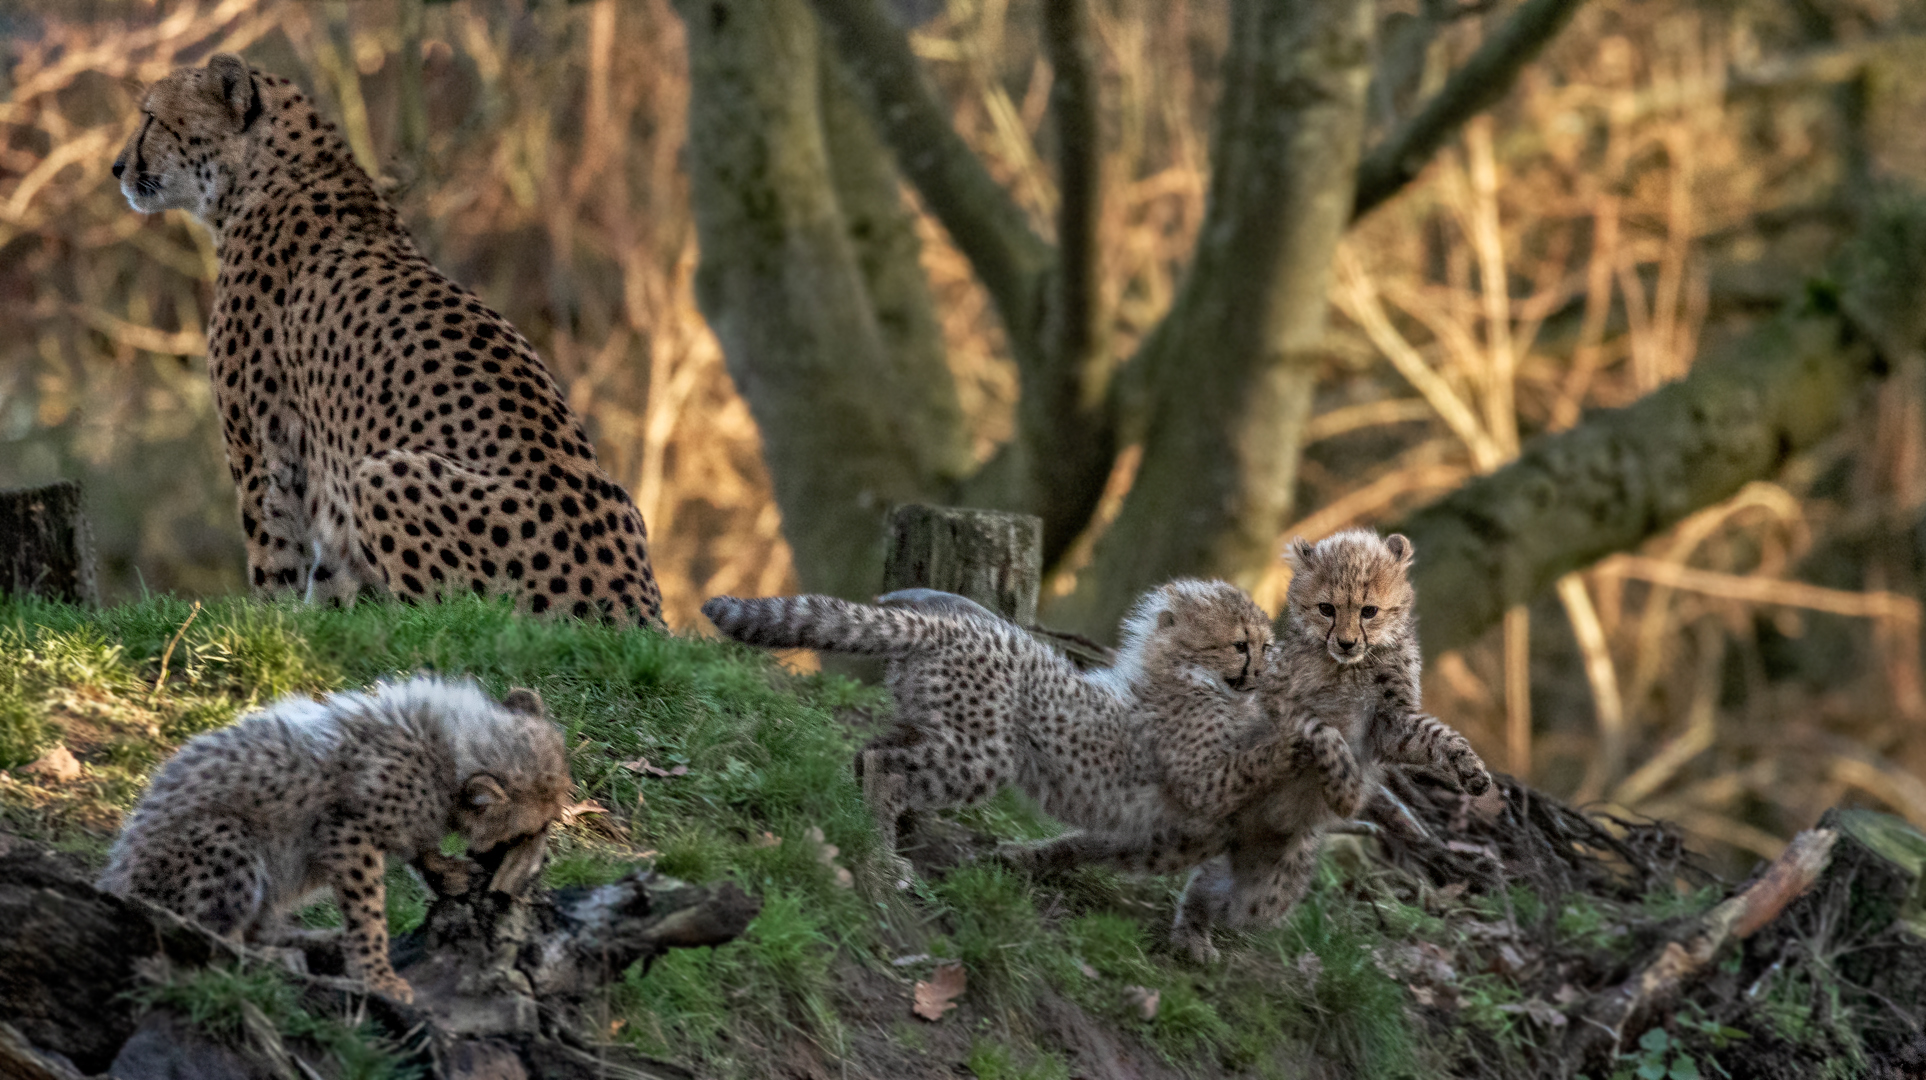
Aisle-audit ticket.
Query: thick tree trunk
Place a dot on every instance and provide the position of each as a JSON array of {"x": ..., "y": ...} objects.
[
  {"x": 1223, "y": 385},
  {"x": 992, "y": 558},
  {"x": 853, "y": 412}
]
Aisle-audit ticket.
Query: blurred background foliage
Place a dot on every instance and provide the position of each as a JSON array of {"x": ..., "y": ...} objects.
[{"x": 1663, "y": 178}]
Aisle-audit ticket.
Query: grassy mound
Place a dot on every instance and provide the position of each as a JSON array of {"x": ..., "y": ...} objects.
[{"x": 759, "y": 789}]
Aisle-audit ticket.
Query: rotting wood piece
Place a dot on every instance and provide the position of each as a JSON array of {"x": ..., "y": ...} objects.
[
  {"x": 1614, "y": 1018},
  {"x": 46, "y": 546},
  {"x": 489, "y": 970}
]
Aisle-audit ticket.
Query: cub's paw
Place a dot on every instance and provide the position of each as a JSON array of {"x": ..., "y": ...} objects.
[
  {"x": 1345, "y": 795},
  {"x": 1472, "y": 775},
  {"x": 392, "y": 986},
  {"x": 1195, "y": 943}
]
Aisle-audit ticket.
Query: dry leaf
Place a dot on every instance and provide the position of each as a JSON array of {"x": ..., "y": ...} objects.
[
  {"x": 58, "y": 764},
  {"x": 1088, "y": 971},
  {"x": 827, "y": 853},
  {"x": 590, "y": 806},
  {"x": 1423, "y": 995},
  {"x": 1144, "y": 1000},
  {"x": 913, "y": 958},
  {"x": 1567, "y": 994},
  {"x": 1452, "y": 891},
  {"x": 938, "y": 995},
  {"x": 765, "y": 839}
]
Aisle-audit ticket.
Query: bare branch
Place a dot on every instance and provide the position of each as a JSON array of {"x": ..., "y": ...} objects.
[
  {"x": 1469, "y": 91},
  {"x": 985, "y": 222},
  {"x": 1626, "y": 474},
  {"x": 1071, "y": 324}
]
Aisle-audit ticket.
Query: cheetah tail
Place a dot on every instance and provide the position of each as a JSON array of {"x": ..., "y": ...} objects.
[{"x": 823, "y": 622}]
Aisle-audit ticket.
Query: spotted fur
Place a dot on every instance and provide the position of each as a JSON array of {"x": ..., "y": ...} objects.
[
  {"x": 981, "y": 704},
  {"x": 246, "y": 821},
  {"x": 1343, "y": 695},
  {"x": 384, "y": 428}
]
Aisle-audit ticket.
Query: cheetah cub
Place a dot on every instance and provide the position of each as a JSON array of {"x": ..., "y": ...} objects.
[
  {"x": 981, "y": 704},
  {"x": 385, "y": 430},
  {"x": 1342, "y": 692},
  {"x": 245, "y": 822}
]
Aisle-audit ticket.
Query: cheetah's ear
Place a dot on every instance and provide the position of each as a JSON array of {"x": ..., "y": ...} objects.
[
  {"x": 1300, "y": 554},
  {"x": 232, "y": 84},
  {"x": 525, "y": 701},
  {"x": 1166, "y": 619},
  {"x": 481, "y": 792},
  {"x": 1399, "y": 547}
]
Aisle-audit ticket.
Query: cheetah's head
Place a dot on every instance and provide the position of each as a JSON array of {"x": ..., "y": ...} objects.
[
  {"x": 1352, "y": 592},
  {"x": 1209, "y": 625},
  {"x": 196, "y": 125},
  {"x": 520, "y": 792}
]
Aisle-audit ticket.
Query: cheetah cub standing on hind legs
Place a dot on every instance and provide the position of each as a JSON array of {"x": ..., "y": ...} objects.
[
  {"x": 384, "y": 428},
  {"x": 246, "y": 821},
  {"x": 1343, "y": 695}
]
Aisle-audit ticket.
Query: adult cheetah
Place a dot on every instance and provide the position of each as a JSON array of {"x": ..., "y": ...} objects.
[{"x": 384, "y": 427}]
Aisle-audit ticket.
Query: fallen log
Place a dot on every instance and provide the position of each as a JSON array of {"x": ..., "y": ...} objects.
[{"x": 499, "y": 981}]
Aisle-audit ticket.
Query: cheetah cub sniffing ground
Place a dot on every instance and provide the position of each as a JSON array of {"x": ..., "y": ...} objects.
[
  {"x": 245, "y": 822},
  {"x": 981, "y": 704},
  {"x": 384, "y": 428},
  {"x": 1343, "y": 693}
]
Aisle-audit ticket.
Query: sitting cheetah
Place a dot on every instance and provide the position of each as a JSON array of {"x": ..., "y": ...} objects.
[
  {"x": 1342, "y": 690},
  {"x": 981, "y": 704},
  {"x": 244, "y": 822},
  {"x": 385, "y": 429}
]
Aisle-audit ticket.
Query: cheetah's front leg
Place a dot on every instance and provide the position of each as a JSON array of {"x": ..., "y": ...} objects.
[
  {"x": 1320, "y": 748},
  {"x": 354, "y": 866},
  {"x": 1420, "y": 739}
]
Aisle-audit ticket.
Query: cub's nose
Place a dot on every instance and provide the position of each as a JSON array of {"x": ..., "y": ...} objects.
[
  {"x": 1346, "y": 646},
  {"x": 119, "y": 167}
]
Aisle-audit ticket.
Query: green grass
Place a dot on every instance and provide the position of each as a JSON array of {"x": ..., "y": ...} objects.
[
  {"x": 768, "y": 756},
  {"x": 249, "y": 1006}
]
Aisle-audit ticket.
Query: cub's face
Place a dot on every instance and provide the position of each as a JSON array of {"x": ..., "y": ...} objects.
[
  {"x": 190, "y": 136},
  {"x": 517, "y": 803},
  {"x": 1216, "y": 626},
  {"x": 1352, "y": 592}
]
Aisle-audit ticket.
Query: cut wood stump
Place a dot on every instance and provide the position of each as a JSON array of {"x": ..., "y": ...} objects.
[
  {"x": 46, "y": 547},
  {"x": 993, "y": 558}
]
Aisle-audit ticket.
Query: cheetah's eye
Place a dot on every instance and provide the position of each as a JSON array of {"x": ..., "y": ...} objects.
[
  {"x": 1367, "y": 611},
  {"x": 1242, "y": 646},
  {"x": 1327, "y": 611}
]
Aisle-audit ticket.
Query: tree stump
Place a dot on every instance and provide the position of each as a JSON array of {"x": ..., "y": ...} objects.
[
  {"x": 993, "y": 558},
  {"x": 46, "y": 548}
]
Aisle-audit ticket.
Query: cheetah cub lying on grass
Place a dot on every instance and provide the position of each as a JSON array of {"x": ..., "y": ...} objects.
[
  {"x": 980, "y": 704},
  {"x": 242, "y": 824},
  {"x": 384, "y": 428}
]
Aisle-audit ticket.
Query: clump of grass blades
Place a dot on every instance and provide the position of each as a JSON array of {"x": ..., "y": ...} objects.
[{"x": 231, "y": 1004}]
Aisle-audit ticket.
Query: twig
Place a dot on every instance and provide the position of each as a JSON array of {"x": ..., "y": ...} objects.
[
  {"x": 161, "y": 679},
  {"x": 1469, "y": 91}
]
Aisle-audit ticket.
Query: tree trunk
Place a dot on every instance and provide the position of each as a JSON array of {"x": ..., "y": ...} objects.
[
  {"x": 1223, "y": 384},
  {"x": 853, "y": 413},
  {"x": 46, "y": 547}
]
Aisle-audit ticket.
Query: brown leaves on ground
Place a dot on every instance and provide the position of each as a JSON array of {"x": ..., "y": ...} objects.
[
  {"x": 1143, "y": 1001},
  {"x": 937, "y": 995},
  {"x": 57, "y": 766}
]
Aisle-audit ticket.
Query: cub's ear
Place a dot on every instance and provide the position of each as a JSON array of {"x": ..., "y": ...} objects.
[
  {"x": 1166, "y": 619},
  {"x": 525, "y": 701},
  {"x": 481, "y": 792},
  {"x": 1399, "y": 547},
  {"x": 1300, "y": 553},
  {"x": 231, "y": 84}
]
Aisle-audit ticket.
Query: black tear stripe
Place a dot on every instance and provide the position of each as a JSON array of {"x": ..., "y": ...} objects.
[
  {"x": 140, "y": 168},
  {"x": 253, "y": 104}
]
